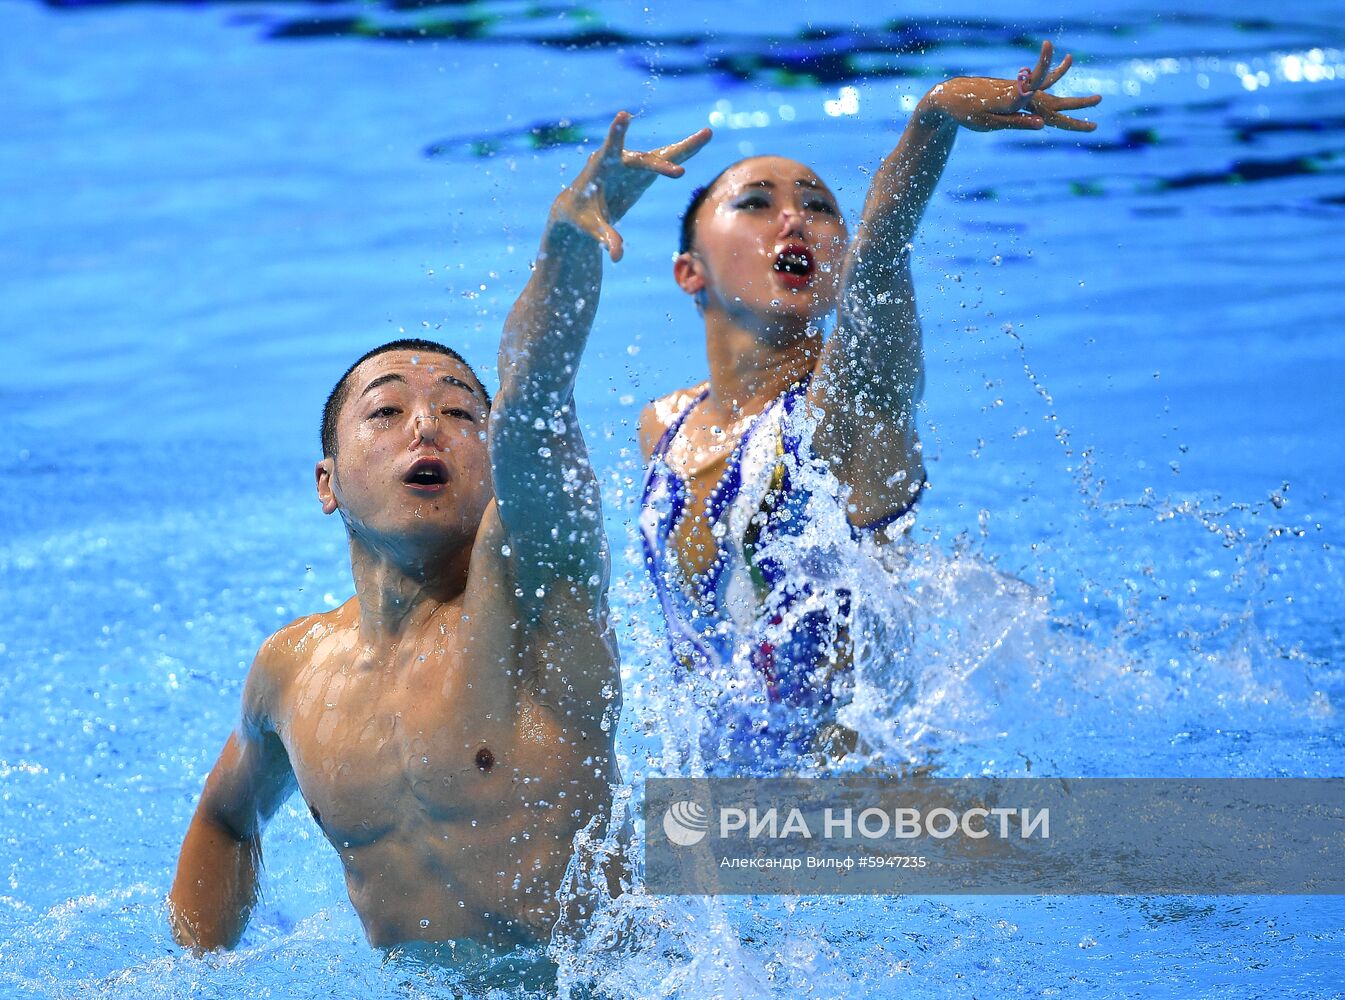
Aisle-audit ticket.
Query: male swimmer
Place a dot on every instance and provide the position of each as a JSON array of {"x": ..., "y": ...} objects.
[{"x": 450, "y": 726}]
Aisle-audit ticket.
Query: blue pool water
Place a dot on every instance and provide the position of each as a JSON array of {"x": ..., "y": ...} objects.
[{"x": 1130, "y": 553}]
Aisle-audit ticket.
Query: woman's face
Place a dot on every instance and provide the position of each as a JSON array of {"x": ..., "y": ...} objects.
[{"x": 770, "y": 240}]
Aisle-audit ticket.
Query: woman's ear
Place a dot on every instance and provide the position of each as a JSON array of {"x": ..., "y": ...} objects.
[
  {"x": 689, "y": 272},
  {"x": 323, "y": 474}
]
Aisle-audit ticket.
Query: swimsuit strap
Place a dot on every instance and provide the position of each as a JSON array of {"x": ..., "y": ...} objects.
[
  {"x": 666, "y": 440},
  {"x": 887, "y": 520}
]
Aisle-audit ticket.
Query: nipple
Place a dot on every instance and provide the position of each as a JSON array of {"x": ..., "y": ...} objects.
[{"x": 485, "y": 760}]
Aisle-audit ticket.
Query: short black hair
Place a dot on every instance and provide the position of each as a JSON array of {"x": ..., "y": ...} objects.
[{"x": 337, "y": 397}]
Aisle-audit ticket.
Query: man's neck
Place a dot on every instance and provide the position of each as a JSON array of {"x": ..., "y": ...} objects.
[{"x": 400, "y": 590}]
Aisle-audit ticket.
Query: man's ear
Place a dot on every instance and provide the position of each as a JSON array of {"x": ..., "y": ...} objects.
[
  {"x": 688, "y": 272},
  {"x": 324, "y": 472}
]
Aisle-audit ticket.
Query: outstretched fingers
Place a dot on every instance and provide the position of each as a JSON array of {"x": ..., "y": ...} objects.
[
  {"x": 992, "y": 120},
  {"x": 1058, "y": 72},
  {"x": 667, "y": 161},
  {"x": 1056, "y": 120},
  {"x": 1050, "y": 107},
  {"x": 1035, "y": 80},
  {"x": 615, "y": 177},
  {"x": 1049, "y": 102},
  {"x": 680, "y": 152},
  {"x": 655, "y": 162},
  {"x": 615, "y": 143}
]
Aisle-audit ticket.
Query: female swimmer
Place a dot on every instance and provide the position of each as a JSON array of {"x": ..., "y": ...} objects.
[{"x": 789, "y": 419}]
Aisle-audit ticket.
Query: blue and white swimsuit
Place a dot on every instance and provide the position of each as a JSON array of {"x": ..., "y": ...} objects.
[{"x": 767, "y": 623}]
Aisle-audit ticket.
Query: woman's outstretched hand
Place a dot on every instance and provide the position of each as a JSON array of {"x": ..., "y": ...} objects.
[
  {"x": 613, "y": 180},
  {"x": 986, "y": 104}
]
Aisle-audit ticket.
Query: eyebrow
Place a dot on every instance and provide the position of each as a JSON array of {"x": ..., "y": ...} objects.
[
  {"x": 450, "y": 380},
  {"x": 394, "y": 377},
  {"x": 807, "y": 182}
]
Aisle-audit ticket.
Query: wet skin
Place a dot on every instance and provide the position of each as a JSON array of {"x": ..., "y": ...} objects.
[
  {"x": 759, "y": 209},
  {"x": 451, "y": 789},
  {"x": 764, "y": 308},
  {"x": 448, "y": 739},
  {"x": 761, "y": 213},
  {"x": 451, "y": 725}
]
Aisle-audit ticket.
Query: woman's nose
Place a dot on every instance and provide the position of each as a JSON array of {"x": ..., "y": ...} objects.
[{"x": 791, "y": 221}]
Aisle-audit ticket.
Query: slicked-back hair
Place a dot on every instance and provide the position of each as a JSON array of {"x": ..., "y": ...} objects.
[
  {"x": 687, "y": 235},
  {"x": 341, "y": 391}
]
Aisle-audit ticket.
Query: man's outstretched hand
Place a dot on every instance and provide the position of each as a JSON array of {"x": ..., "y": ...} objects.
[{"x": 613, "y": 180}]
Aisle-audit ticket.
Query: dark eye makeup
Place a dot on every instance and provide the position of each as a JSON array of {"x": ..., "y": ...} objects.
[{"x": 753, "y": 200}]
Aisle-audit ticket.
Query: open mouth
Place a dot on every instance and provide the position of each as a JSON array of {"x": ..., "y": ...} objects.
[
  {"x": 795, "y": 266},
  {"x": 427, "y": 474}
]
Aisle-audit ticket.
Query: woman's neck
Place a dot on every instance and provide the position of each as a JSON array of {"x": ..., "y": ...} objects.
[{"x": 749, "y": 368}]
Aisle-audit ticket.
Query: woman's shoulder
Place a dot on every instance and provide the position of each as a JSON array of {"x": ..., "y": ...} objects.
[{"x": 662, "y": 413}]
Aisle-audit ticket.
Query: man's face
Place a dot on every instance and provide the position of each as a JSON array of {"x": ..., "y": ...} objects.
[{"x": 412, "y": 460}]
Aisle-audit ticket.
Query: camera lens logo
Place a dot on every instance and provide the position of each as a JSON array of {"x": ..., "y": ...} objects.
[{"x": 686, "y": 823}]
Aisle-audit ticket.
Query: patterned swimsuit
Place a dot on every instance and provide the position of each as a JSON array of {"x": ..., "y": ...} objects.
[{"x": 766, "y": 623}]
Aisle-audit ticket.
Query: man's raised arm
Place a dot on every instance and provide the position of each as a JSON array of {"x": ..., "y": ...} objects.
[
  {"x": 872, "y": 367},
  {"x": 544, "y": 485}
]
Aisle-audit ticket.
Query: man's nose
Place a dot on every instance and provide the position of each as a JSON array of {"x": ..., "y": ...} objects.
[{"x": 427, "y": 426}]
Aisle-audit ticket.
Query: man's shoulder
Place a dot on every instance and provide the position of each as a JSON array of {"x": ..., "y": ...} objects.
[
  {"x": 287, "y": 651},
  {"x": 298, "y": 642}
]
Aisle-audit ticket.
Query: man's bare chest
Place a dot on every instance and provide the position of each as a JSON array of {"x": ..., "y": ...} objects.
[{"x": 377, "y": 750}]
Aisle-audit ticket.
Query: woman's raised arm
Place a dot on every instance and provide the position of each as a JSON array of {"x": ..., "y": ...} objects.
[{"x": 871, "y": 373}]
